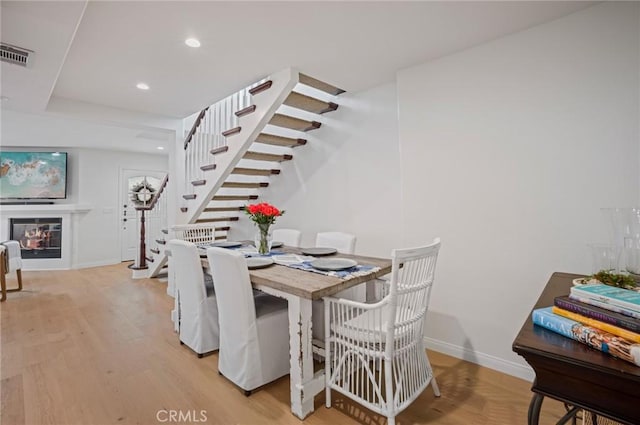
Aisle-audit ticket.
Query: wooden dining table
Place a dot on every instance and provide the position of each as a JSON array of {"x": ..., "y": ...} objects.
[{"x": 300, "y": 288}]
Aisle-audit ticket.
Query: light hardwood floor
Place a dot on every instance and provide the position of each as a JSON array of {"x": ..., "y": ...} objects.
[{"x": 94, "y": 346}]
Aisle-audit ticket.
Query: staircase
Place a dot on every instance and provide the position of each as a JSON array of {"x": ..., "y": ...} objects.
[{"x": 237, "y": 145}]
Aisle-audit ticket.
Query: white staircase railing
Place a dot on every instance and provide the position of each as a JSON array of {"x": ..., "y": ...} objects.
[
  {"x": 238, "y": 134},
  {"x": 207, "y": 133},
  {"x": 151, "y": 219}
]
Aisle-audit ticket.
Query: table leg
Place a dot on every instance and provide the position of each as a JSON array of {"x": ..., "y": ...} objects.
[
  {"x": 301, "y": 356},
  {"x": 534, "y": 409}
]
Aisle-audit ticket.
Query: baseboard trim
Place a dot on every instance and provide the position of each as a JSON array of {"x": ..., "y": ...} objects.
[
  {"x": 482, "y": 359},
  {"x": 96, "y": 264}
]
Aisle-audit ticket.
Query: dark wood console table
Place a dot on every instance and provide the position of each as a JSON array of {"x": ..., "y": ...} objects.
[{"x": 574, "y": 373}]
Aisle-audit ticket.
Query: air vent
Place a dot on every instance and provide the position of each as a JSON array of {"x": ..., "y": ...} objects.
[{"x": 14, "y": 54}]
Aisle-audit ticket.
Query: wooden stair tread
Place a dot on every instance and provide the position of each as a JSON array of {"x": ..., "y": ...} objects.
[
  {"x": 245, "y": 111},
  {"x": 320, "y": 85},
  {"x": 199, "y": 182},
  {"x": 309, "y": 104},
  {"x": 254, "y": 171},
  {"x": 190, "y": 196},
  {"x": 245, "y": 185},
  {"x": 222, "y": 209},
  {"x": 272, "y": 139},
  {"x": 293, "y": 123},
  {"x": 221, "y": 149},
  {"x": 208, "y": 167},
  {"x": 261, "y": 87},
  {"x": 219, "y": 238},
  {"x": 259, "y": 156},
  {"x": 232, "y": 131},
  {"x": 234, "y": 197},
  {"x": 217, "y": 219}
]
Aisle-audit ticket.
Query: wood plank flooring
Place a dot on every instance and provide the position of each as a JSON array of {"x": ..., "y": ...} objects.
[{"x": 93, "y": 346}]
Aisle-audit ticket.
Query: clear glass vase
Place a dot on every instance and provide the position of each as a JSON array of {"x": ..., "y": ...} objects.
[{"x": 263, "y": 239}]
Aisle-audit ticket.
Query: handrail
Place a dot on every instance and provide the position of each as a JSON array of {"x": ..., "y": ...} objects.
[
  {"x": 194, "y": 127},
  {"x": 154, "y": 200}
]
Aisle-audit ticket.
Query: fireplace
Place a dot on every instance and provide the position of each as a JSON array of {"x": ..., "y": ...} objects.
[{"x": 38, "y": 237}]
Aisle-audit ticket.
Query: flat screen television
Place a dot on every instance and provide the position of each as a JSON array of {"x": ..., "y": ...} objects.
[{"x": 33, "y": 175}]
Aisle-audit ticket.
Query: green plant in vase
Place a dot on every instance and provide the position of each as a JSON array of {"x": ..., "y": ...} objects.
[
  {"x": 263, "y": 215},
  {"x": 614, "y": 279}
]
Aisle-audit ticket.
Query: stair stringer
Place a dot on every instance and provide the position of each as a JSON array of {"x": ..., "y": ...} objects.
[
  {"x": 267, "y": 103},
  {"x": 159, "y": 261}
]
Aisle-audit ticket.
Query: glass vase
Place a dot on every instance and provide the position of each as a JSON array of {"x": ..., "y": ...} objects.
[{"x": 263, "y": 239}]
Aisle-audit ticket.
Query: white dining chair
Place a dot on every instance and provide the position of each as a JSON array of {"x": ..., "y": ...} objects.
[
  {"x": 254, "y": 331},
  {"x": 290, "y": 237},
  {"x": 344, "y": 243},
  {"x": 375, "y": 352},
  {"x": 197, "y": 307},
  {"x": 14, "y": 262}
]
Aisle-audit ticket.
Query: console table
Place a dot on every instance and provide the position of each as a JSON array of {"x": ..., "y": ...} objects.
[{"x": 574, "y": 373}]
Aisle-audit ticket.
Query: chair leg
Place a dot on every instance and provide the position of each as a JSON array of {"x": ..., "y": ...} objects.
[
  {"x": 19, "y": 288},
  {"x": 200, "y": 355},
  {"x": 436, "y": 389},
  {"x": 19, "y": 274},
  {"x": 247, "y": 393},
  {"x": 391, "y": 420},
  {"x": 3, "y": 286}
]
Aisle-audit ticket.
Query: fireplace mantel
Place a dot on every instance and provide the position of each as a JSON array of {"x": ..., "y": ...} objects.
[
  {"x": 70, "y": 214},
  {"x": 46, "y": 208}
]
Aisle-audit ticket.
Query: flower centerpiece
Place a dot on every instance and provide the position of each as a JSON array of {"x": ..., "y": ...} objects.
[{"x": 263, "y": 215}]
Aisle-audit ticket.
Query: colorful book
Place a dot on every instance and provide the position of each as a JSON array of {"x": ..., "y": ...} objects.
[
  {"x": 601, "y": 314},
  {"x": 612, "y": 329},
  {"x": 595, "y": 338},
  {"x": 605, "y": 306},
  {"x": 623, "y": 298}
]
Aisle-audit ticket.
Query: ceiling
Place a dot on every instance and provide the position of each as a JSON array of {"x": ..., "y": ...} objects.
[{"x": 95, "y": 52}]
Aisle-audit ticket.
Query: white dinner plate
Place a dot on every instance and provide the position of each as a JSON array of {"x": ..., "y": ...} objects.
[
  {"x": 318, "y": 251},
  {"x": 259, "y": 262},
  {"x": 333, "y": 264},
  {"x": 227, "y": 244}
]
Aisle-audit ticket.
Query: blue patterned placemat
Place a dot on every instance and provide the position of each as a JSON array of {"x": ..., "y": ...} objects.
[{"x": 351, "y": 272}]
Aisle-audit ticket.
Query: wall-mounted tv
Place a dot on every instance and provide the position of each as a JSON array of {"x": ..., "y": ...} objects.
[{"x": 33, "y": 175}]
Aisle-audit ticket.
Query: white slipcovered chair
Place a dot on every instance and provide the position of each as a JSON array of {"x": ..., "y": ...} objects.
[
  {"x": 345, "y": 243},
  {"x": 197, "y": 307},
  {"x": 254, "y": 332},
  {"x": 290, "y": 237},
  {"x": 376, "y": 354},
  {"x": 12, "y": 263}
]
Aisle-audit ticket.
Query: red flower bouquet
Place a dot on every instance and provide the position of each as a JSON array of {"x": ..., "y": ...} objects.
[{"x": 263, "y": 215}]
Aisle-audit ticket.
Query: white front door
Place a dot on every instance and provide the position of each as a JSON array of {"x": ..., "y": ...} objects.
[{"x": 136, "y": 187}]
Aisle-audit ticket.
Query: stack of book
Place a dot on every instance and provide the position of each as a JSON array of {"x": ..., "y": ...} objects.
[{"x": 601, "y": 316}]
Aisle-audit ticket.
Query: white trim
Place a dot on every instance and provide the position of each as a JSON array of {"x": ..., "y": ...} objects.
[
  {"x": 482, "y": 359},
  {"x": 97, "y": 263}
]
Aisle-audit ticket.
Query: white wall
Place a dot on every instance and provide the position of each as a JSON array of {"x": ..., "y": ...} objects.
[
  {"x": 98, "y": 185},
  {"x": 508, "y": 152},
  {"x": 347, "y": 177},
  {"x": 93, "y": 178}
]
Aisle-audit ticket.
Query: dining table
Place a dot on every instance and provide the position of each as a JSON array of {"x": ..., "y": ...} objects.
[{"x": 300, "y": 288}]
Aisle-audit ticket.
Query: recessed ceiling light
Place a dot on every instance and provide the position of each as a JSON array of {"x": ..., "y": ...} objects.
[
  {"x": 160, "y": 148},
  {"x": 192, "y": 42},
  {"x": 142, "y": 86}
]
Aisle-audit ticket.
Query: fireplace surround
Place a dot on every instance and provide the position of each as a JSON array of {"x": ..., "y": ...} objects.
[
  {"x": 38, "y": 237},
  {"x": 69, "y": 234}
]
